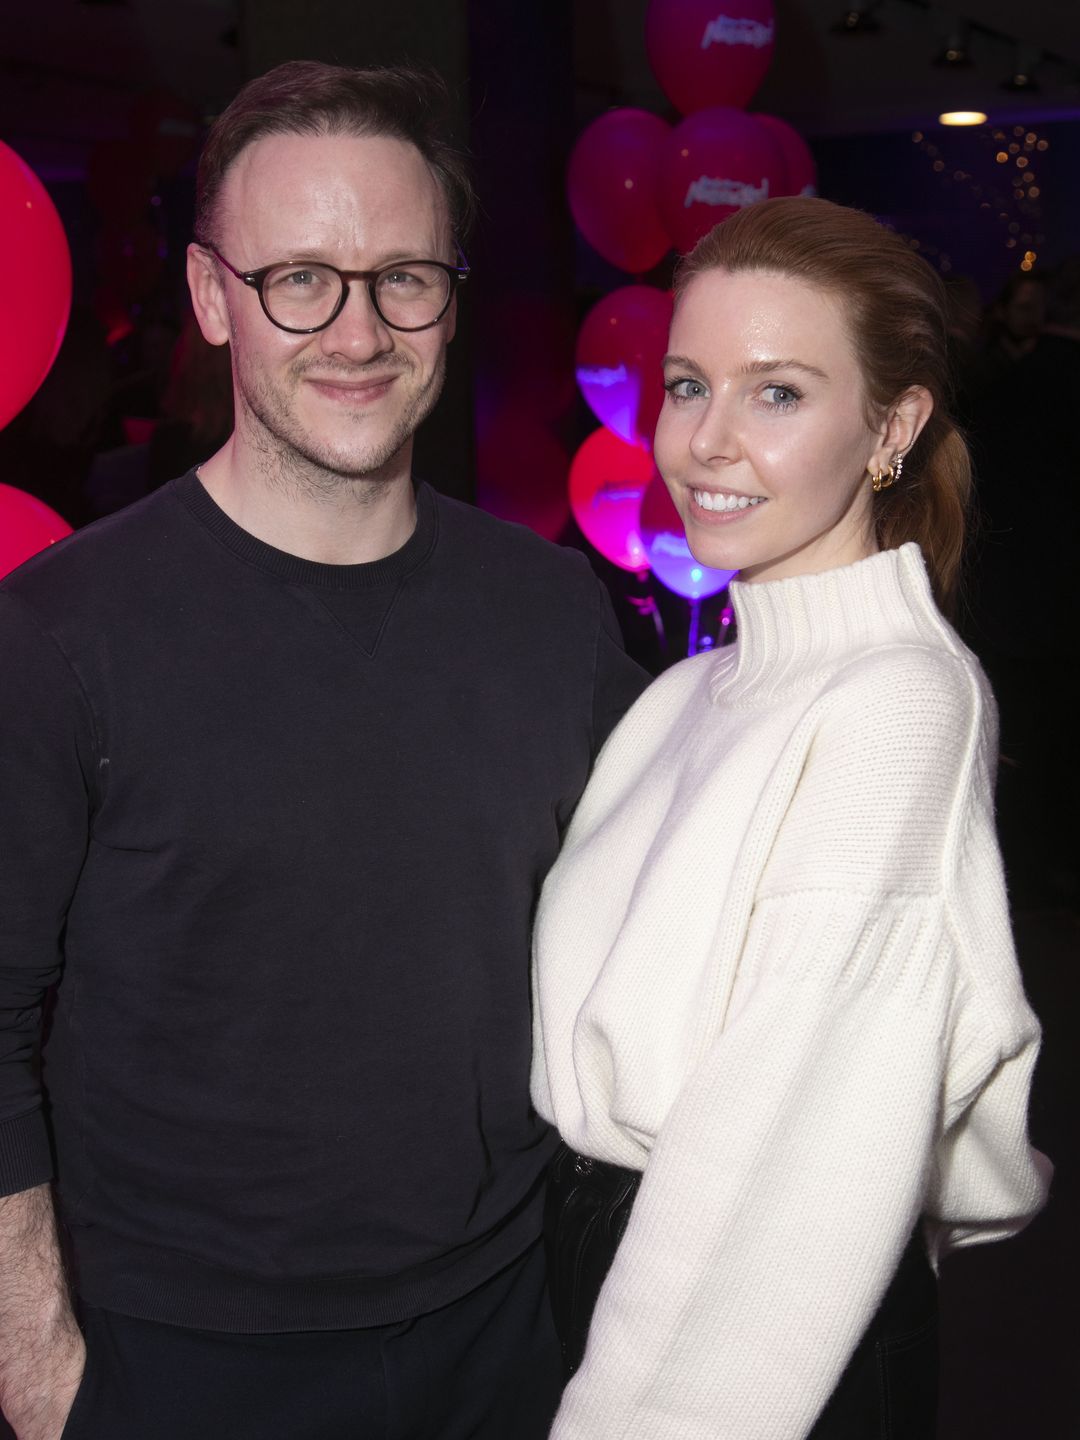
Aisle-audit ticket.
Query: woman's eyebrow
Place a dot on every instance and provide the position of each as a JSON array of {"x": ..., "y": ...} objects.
[
  {"x": 682, "y": 362},
  {"x": 762, "y": 367}
]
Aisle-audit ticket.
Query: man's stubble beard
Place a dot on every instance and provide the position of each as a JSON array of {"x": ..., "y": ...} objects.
[{"x": 292, "y": 456}]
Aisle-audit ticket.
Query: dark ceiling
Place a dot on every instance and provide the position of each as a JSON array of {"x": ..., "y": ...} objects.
[
  {"x": 876, "y": 79},
  {"x": 70, "y": 68}
]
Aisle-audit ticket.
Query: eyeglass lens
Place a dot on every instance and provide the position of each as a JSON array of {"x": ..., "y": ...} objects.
[{"x": 304, "y": 296}]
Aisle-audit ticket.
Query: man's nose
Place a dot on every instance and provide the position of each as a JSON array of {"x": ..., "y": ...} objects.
[{"x": 358, "y": 331}]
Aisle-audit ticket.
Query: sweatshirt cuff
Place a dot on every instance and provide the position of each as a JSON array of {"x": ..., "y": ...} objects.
[{"x": 25, "y": 1153}]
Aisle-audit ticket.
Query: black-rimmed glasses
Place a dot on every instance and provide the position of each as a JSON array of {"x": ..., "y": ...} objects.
[{"x": 304, "y": 296}]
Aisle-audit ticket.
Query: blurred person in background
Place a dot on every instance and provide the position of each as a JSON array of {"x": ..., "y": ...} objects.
[
  {"x": 1013, "y": 323},
  {"x": 195, "y": 421},
  {"x": 1025, "y": 615}
]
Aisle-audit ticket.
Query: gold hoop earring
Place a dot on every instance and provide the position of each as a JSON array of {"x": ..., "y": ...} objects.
[{"x": 882, "y": 479}]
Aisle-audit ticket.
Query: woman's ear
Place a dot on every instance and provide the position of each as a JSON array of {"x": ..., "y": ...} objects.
[{"x": 902, "y": 427}]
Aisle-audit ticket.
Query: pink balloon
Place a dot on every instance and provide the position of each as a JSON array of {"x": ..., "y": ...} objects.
[
  {"x": 669, "y": 555},
  {"x": 37, "y": 297},
  {"x": 619, "y": 360},
  {"x": 607, "y": 480},
  {"x": 716, "y": 162},
  {"x": 798, "y": 159},
  {"x": 27, "y": 525},
  {"x": 611, "y": 186},
  {"x": 709, "y": 52}
]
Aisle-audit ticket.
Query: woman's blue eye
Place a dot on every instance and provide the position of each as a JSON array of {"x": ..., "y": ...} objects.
[
  {"x": 783, "y": 396},
  {"x": 684, "y": 388}
]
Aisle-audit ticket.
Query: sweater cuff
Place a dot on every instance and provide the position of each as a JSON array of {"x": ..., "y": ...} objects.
[{"x": 25, "y": 1154}]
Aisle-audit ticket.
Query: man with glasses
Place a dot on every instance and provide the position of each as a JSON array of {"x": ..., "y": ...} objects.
[{"x": 287, "y": 750}]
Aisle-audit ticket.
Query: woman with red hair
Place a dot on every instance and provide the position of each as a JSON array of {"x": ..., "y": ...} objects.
[{"x": 779, "y": 1022}]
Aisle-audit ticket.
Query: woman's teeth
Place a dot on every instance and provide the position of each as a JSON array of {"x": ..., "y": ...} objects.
[{"x": 708, "y": 501}]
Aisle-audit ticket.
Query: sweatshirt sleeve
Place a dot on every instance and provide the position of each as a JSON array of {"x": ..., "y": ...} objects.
[
  {"x": 799, "y": 1155},
  {"x": 45, "y": 754}
]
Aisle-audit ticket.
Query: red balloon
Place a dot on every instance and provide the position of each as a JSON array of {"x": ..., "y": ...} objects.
[
  {"x": 611, "y": 186},
  {"x": 37, "y": 298},
  {"x": 607, "y": 480},
  {"x": 716, "y": 162},
  {"x": 709, "y": 52},
  {"x": 27, "y": 525},
  {"x": 798, "y": 160},
  {"x": 619, "y": 360}
]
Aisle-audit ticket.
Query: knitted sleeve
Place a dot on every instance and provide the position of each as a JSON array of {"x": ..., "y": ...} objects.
[
  {"x": 800, "y": 1154},
  {"x": 45, "y": 754}
]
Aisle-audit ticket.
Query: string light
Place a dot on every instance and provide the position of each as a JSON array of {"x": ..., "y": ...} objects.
[{"x": 1015, "y": 204}]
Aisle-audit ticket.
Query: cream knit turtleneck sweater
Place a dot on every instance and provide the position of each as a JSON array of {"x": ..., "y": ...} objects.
[{"x": 773, "y": 970}]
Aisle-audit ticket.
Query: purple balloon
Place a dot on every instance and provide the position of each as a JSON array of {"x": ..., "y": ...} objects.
[
  {"x": 619, "y": 360},
  {"x": 669, "y": 554}
]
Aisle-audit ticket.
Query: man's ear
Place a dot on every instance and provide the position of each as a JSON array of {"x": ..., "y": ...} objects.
[
  {"x": 902, "y": 427},
  {"x": 207, "y": 295}
]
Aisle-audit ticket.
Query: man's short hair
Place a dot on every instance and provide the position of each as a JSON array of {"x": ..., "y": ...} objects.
[{"x": 306, "y": 97}]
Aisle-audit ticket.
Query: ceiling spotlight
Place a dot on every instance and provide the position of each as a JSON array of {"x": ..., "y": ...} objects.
[
  {"x": 954, "y": 54},
  {"x": 859, "y": 20},
  {"x": 1022, "y": 80},
  {"x": 962, "y": 117}
]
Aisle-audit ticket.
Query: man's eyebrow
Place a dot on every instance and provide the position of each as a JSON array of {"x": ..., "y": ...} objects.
[{"x": 316, "y": 255}]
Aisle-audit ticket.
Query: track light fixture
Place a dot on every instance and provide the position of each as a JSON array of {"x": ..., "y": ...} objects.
[
  {"x": 1022, "y": 80},
  {"x": 955, "y": 54},
  {"x": 857, "y": 20}
]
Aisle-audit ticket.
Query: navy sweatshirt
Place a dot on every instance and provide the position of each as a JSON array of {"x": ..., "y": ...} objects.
[{"x": 275, "y": 831}]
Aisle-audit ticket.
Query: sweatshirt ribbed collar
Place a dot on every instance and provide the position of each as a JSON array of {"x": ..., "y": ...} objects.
[
  {"x": 297, "y": 571},
  {"x": 791, "y": 632}
]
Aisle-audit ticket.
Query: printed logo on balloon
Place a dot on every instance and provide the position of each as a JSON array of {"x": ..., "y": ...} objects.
[
  {"x": 709, "y": 52},
  {"x": 669, "y": 555},
  {"x": 608, "y": 478},
  {"x": 716, "y": 162},
  {"x": 620, "y": 357}
]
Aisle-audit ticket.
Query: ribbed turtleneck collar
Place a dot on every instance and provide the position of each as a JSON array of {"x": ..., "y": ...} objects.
[
  {"x": 792, "y": 631},
  {"x": 293, "y": 568}
]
